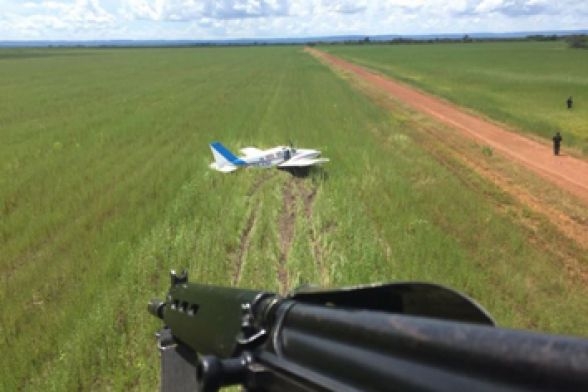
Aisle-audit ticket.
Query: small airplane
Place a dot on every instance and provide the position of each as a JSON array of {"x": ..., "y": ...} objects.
[{"x": 295, "y": 160}]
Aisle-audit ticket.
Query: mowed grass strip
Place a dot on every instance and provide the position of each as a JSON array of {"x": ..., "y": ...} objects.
[
  {"x": 91, "y": 231},
  {"x": 524, "y": 84}
]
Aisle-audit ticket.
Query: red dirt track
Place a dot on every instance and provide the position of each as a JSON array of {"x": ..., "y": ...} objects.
[{"x": 568, "y": 173}]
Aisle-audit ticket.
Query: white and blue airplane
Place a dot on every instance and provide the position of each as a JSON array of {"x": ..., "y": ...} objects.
[{"x": 282, "y": 157}]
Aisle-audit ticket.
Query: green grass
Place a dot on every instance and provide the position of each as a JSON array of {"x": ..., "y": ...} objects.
[
  {"x": 105, "y": 186},
  {"x": 525, "y": 84}
]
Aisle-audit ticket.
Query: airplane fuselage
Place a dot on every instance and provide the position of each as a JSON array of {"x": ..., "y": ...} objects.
[{"x": 275, "y": 156}]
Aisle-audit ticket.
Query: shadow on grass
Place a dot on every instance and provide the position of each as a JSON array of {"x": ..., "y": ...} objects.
[{"x": 315, "y": 173}]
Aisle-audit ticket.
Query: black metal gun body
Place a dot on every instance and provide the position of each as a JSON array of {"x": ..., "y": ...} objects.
[{"x": 403, "y": 336}]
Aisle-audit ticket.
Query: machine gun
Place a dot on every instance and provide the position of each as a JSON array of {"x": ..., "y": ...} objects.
[{"x": 400, "y": 336}]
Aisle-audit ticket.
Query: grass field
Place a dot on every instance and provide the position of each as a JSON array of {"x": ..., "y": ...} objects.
[
  {"x": 524, "y": 84},
  {"x": 105, "y": 186}
]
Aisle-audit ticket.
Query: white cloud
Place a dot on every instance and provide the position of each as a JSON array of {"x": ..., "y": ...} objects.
[
  {"x": 65, "y": 17},
  {"x": 345, "y": 6},
  {"x": 203, "y": 19},
  {"x": 487, "y": 6},
  {"x": 190, "y": 10}
]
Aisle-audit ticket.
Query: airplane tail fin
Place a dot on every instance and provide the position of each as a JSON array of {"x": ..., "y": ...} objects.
[{"x": 224, "y": 160}]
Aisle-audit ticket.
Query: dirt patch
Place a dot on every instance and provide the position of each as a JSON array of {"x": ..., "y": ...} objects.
[{"x": 554, "y": 189}]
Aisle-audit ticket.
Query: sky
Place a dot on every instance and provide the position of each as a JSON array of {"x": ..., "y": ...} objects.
[{"x": 229, "y": 19}]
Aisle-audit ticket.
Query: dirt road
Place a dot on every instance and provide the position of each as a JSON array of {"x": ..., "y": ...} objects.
[
  {"x": 554, "y": 188},
  {"x": 567, "y": 172}
]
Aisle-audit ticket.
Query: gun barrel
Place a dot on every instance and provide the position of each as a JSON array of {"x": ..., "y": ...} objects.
[
  {"x": 403, "y": 336},
  {"x": 365, "y": 350},
  {"x": 155, "y": 307}
]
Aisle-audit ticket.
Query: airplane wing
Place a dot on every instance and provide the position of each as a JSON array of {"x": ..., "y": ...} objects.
[
  {"x": 251, "y": 151},
  {"x": 303, "y": 162}
]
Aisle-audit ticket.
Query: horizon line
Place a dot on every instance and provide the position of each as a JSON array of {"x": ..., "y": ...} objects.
[{"x": 456, "y": 34}]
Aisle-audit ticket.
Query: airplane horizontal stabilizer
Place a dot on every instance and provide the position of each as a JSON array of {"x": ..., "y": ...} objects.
[{"x": 224, "y": 169}]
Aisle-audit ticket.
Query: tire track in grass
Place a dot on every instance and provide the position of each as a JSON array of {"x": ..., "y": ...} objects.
[
  {"x": 297, "y": 203},
  {"x": 259, "y": 183},
  {"x": 309, "y": 198},
  {"x": 245, "y": 240},
  {"x": 286, "y": 225},
  {"x": 309, "y": 195},
  {"x": 239, "y": 257}
]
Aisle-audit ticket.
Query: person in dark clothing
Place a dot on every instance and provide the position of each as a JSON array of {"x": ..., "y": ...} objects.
[
  {"x": 570, "y": 102},
  {"x": 556, "y": 143}
]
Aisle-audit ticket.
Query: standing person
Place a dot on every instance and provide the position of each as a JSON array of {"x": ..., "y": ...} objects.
[
  {"x": 556, "y": 143},
  {"x": 570, "y": 102}
]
